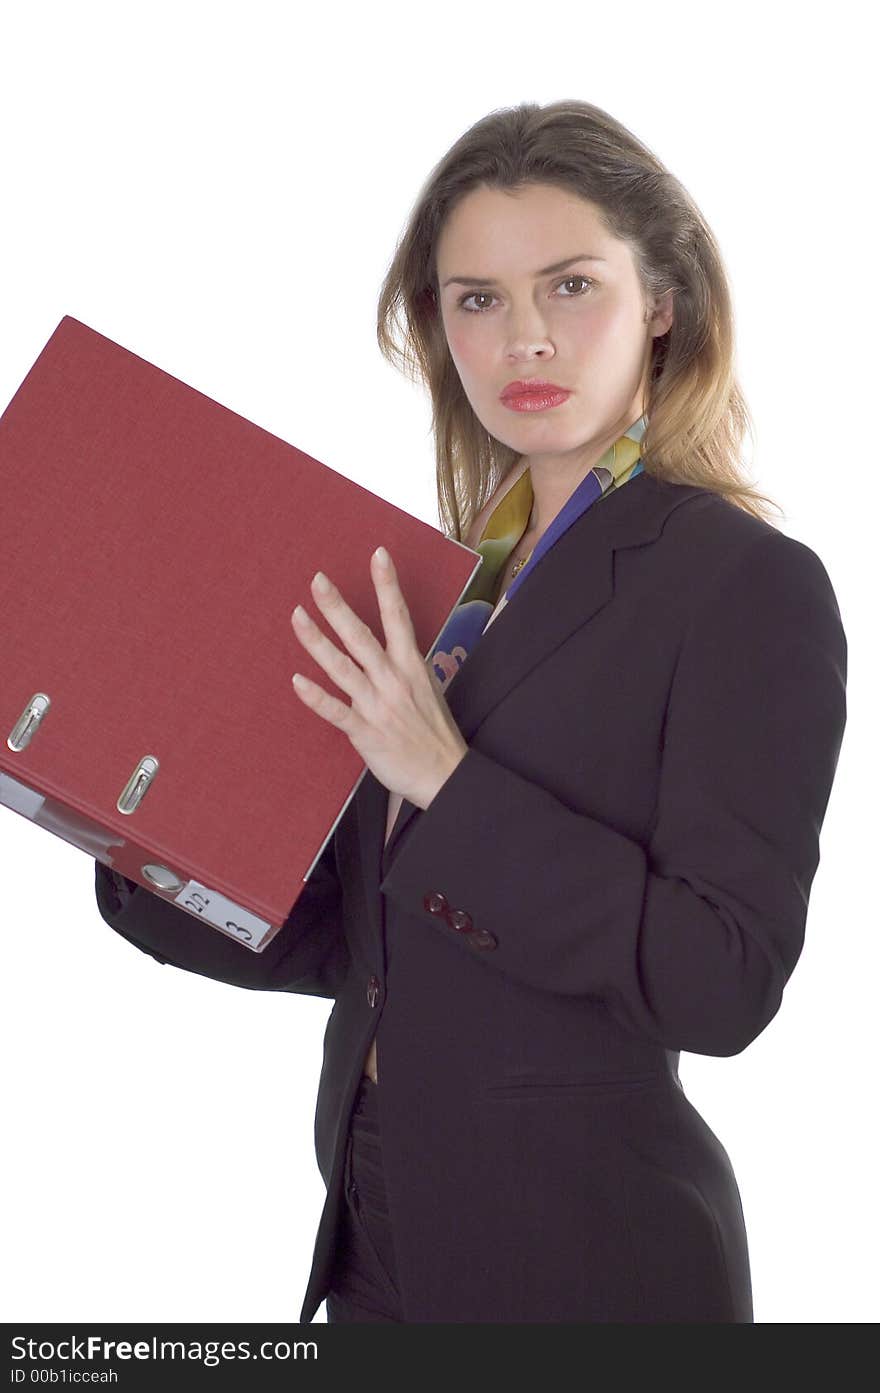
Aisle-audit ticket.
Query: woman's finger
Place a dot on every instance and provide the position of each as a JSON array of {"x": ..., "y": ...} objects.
[
  {"x": 357, "y": 636},
  {"x": 337, "y": 712},
  {"x": 400, "y": 636},
  {"x": 337, "y": 665}
]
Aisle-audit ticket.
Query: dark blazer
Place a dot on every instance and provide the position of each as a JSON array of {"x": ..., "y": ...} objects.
[{"x": 617, "y": 870}]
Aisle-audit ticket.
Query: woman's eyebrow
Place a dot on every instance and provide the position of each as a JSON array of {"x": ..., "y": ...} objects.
[{"x": 547, "y": 271}]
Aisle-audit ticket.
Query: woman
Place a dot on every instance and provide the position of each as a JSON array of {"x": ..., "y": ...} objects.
[{"x": 589, "y": 824}]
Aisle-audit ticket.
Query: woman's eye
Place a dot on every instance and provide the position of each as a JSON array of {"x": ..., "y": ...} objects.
[
  {"x": 474, "y": 295},
  {"x": 484, "y": 294},
  {"x": 586, "y": 280}
]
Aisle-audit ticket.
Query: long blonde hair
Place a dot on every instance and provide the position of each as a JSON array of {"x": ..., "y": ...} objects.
[{"x": 696, "y": 411}]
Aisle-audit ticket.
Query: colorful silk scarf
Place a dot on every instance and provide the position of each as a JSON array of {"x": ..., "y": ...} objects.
[{"x": 480, "y": 605}]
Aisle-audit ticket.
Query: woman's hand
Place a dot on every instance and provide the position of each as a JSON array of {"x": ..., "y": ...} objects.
[{"x": 398, "y": 720}]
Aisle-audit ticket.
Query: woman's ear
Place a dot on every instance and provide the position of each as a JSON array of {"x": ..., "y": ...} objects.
[{"x": 660, "y": 317}]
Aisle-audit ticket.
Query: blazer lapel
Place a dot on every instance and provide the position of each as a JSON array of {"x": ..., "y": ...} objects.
[{"x": 569, "y": 586}]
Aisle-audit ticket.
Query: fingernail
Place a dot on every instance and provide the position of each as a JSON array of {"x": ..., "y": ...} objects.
[
  {"x": 321, "y": 582},
  {"x": 382, "y": 555}
]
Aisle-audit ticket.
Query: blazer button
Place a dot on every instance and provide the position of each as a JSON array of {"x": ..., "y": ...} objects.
[
  {"x": 435, "y": 903},
  {"x": 460, "y": 919},
  {"x": 373, "y": 990},
  {"x": 483, "y": 939}
]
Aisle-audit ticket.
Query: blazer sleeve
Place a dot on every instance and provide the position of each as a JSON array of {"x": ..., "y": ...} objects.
[
  {"x": 309, "y": 954},
  {"x": 689, "y": 939}
]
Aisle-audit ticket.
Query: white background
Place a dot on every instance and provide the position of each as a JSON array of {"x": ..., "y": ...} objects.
[{"x": 219, "y": 188}]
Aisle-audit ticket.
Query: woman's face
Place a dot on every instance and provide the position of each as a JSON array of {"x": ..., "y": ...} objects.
[{"x": 582, "y": 326}]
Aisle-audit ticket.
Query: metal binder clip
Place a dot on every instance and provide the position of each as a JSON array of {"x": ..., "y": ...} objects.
[
  {"x": 132, "y": 795},
  {"x": 24, "y": 728}
]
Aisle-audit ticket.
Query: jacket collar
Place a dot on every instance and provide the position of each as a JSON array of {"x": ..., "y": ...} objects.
[{"x": 568, "y": 588}]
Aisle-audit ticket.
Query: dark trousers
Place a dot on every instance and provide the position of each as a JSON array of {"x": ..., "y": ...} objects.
[{"x": 364, "y": 1283}]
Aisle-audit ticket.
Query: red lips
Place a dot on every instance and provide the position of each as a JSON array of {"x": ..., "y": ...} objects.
[{"x": 533, "y": 384}]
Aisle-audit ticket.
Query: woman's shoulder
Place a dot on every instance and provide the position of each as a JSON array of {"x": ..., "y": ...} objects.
[
  {"x": 725, "y": 548},
  {"x": 711, "y": 522}
]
